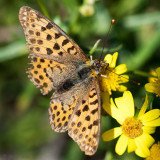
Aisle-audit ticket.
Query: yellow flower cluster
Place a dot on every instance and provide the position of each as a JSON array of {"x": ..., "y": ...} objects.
[
  {"x": 135, "y": 130},
  {"x": 154, "y": 85},
  {"x": 113, "y": 80},
  {"x": 154, "y": 152}
]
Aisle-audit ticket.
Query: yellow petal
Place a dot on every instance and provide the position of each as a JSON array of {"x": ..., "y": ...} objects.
[
  {"x": 131, "y": 145},
  {"x": 114, "y": 60},
  {"x": 120, "y": 105},
  {"x": 148, "y": 129},
  {"x": 144, "y": 107},
  {"x": 108, "y": 58},
  {"x": 120, "y": 69},
  {"x": 154, "y": 123},
  {"x": 108, "y": 108},
  {"x": 128, "y": 99},
  {"x": 121, "y": 144},
  {"x": 150, "y": 115},
  {"x": 144, "y": 140},
  {"x": 114, "y": 112},
  {"x": 150, "y": 87},
  {"x": 158, "y": 72},
  {"x": 142, "y": 151},
  {"x": 122, "y": 88},
  {"x": 153, "y": 79},
  {"x": 123, "y": 78},
  {"x": 125, "y": 104},
  {"x": 111, "y": 134}
]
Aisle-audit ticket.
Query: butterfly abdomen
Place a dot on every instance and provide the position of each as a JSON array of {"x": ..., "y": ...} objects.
[{"x": 83, "y": 73}]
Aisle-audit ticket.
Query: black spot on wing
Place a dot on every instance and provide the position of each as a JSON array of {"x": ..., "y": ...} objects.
[
  {"x": 60, "y": 53},
  {"x": 86, "y": 108},
  {"x": 69, "y": 49},
  {"x": 78, "y": 113},
  {"x": 37, "y": 80},
  {"x": 83, "y": 101},
  {"x": 56, "y": 46},
  {"x": 42, "y": 60},
  {"x": 34, "y": 59},
  {"x": 40, "y": 42},
  {"x": 65, "y": 42},
  {"x": 57, "y": 35},
  {"x": 90, "y": 126},
  {"x": 43, "y": 28},
  {"x": 49, "y": 37},
  {"x": 95, "y": 123},
  {"x": 37, "y": 33},
  {"x": 30, "y": 32},
  {"x": 91, "y": 96},
  {"x": 94, "y": 111},
  {"x": 49, "y": 26},
  {"x": 87, "y": 118},
  {"x": 32, "y": 40},
  {"x": 49, "y": 51},
  {"x": 94, "y": 102}
]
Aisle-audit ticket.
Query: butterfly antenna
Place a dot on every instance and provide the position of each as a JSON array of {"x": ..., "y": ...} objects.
[
  {"x": 135, "y": 82},
  {"x": 105, "y": 41}
]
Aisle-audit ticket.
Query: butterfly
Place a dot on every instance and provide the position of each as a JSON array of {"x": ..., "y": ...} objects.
[{"x": 59, "y": 64}]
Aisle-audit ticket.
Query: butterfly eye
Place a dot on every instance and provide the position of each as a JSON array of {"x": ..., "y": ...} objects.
[{"x": 98, "y": 65}]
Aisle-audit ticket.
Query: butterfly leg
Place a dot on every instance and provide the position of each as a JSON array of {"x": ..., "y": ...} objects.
[
  {"x": 91, "y": 58},
  {"x": 105, "y": 76}
]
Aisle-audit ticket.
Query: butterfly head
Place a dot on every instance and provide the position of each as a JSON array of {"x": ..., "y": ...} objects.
[{"x": 98, "y": 65}]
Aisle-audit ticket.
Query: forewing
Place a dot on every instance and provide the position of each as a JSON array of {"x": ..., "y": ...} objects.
[
  {"x": 46, "y": 39},
  {"x": 84, "y": 126},
  {"x": 54, "y": 54},
  {"x": 63, "y": 104}
]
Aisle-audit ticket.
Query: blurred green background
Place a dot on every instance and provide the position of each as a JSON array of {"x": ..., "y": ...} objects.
[{"x": 25, "y": 132}]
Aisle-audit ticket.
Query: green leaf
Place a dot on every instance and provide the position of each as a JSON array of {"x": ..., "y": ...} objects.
[{"x": 13, "y": 50}]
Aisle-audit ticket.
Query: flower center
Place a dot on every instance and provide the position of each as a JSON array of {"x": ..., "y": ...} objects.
[{"x": 132, "y": 127}]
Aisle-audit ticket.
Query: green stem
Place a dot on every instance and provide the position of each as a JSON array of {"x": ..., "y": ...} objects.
[
  {"x": 43, "y": 8},
  {"x": 143, "y": 74},
  {"x": 94, "y": 47},
  {"x": 111, "y": 50}
]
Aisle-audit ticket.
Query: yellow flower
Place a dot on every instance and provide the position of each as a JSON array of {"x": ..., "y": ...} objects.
[
  {"x": 114, "y": 78},
  {"x": 153, "y": 73},
  {"x": 154, "y": 85},
  {"x": 154, "y": 152},
  {"x": 134, "y": 131}
]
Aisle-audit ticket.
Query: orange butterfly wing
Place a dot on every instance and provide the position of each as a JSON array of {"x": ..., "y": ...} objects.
[{"x": 84, "y": 126}]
